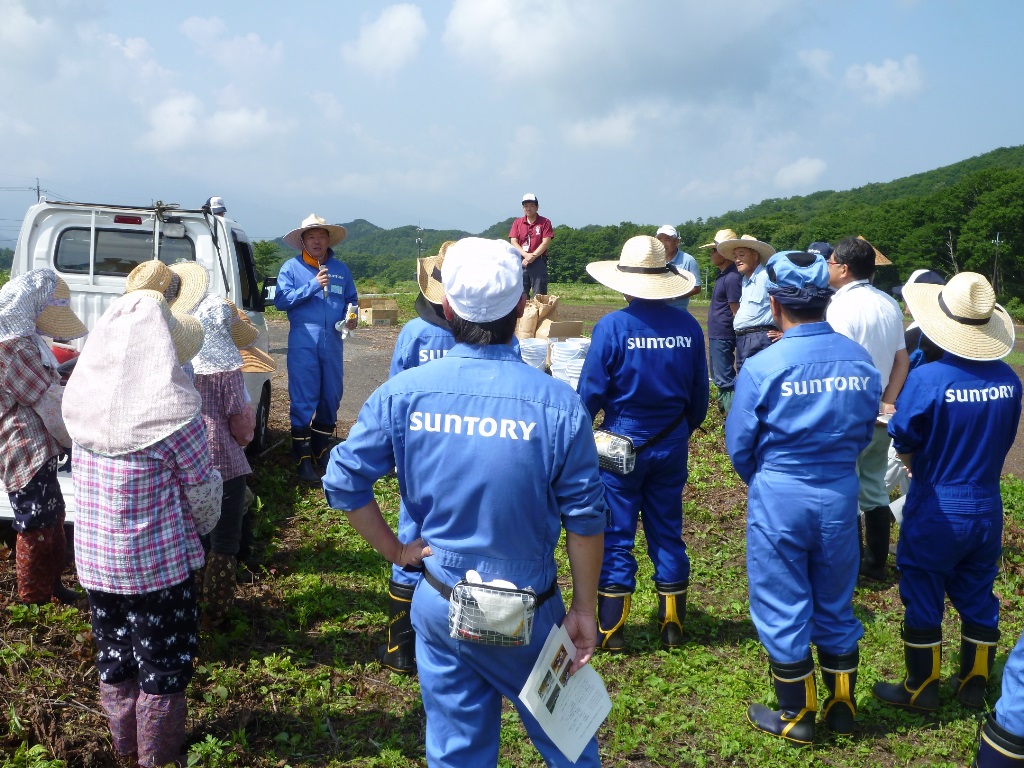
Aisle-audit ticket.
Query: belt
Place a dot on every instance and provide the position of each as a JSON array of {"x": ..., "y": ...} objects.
[
  {"x": 446, "y": 591},
  {"x": 755, "y": 329}
]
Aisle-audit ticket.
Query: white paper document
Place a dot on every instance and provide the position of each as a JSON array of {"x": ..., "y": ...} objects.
[
  {"x": 569, "y": 709},
  {"x": 897, "y": 509}
]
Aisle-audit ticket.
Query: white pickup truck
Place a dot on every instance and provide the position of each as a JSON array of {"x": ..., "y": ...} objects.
[{"x": 94, "y": 247}]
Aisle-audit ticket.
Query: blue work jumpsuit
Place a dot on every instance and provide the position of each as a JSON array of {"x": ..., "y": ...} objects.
[
  {"x": 804, "y": 409},
  {"x": 315, "y": 359},
  {"x": 959, "y": 419},
  {"x": 645, "y": 367},
  {"x": 453, "y": 429}
]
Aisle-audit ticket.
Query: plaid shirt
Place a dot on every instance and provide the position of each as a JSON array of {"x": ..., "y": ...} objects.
[
  {"x": 134, "y": 532},
  {"x": 223, "y": 396},
  {"x": 25, "y": 445}
]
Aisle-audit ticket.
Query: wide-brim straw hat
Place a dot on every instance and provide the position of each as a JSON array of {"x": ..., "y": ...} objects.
[
  {"x": 641, "y": 271},
  {"x": 720, "y": 237},
  {"x": 962, "y": 316},
  {"x": 152, "y": 275},
  {"x": 193, "y": 282},
  {"x": 727, "y": 248},
  {"x": 255, "y": 360},
  {"x": 428, "y": 274},
  {"x": 243, "y": 332},
  {"x": 58, "y": 320},
  {"x": 186, "y": 331},
  {"x": 335, "y": 232}
]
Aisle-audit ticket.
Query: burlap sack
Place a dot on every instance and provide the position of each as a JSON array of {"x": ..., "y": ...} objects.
[
  {"x": 526, "y": 328},
  {"x": 547, "y": 306}
]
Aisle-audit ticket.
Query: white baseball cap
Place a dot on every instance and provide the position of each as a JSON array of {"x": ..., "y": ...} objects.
[
  {"x": 483, "y": 279},
  {"x": 529, "y": 197},
  {"x": 667, "y": 229}
]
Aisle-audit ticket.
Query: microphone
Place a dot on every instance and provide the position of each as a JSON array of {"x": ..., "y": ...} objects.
[{"x": 326, "y": 287}]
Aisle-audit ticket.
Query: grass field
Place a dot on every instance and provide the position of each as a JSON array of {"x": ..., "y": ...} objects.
[{"x": 293, "y": 682}]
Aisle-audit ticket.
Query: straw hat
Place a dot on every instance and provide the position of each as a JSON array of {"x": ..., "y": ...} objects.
[
  {"x": 57, "y": 320},
  {"x": 335, "y": 232},
  {"x": 192, "y": 283},
  {"x": 727, "y": 247},
  {"x": 428, "y": 274},
  {"x": 152, "y": 275},
  {"x": 255, "y": 360},
  {"x": 641, "y": 271},
  {"x": 880, "y": 258},
  {"x": 186, "y": 332},
  {"x": 962, "y": 316},
  {"x": 243, "y": 332},
  {"x": 720, "y": 237}
]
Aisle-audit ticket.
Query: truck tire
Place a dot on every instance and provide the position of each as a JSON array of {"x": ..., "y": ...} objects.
[{"x": 260, "y": 433}]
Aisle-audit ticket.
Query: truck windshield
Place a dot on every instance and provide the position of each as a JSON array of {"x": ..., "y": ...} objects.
[{"x": 118, "y": 252}]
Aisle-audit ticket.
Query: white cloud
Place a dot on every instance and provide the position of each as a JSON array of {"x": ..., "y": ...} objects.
[
  {"x": 173, "y": 123},
  {"x": 617, "y": 129},
  {"x": 241, "y": 54},
  {"x": 388, "y": 43},
  {"x": 800, "y": 174},
  {"x": 330, "y": 107},
  {"x": 880, "y": 84},
  {"x": 22, "y": 33},
  {"x": 180, "y": 122},
  {"x": 817, "y": 62}
]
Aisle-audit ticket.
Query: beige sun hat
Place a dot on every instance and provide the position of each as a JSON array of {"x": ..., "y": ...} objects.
[
  {"x": 428, "y": 274},
  {"x": 186, "y": 292},
  {"x": 720, "y": 237},
  {"x": 255, "y": 360},
  {"x": 152, "y": 275},
  {"x": 335, "y": 232},
  {"x": 727, "y": 247},
  {"x": 186, "y": 331},
  {"x": 962, "y": 316},
  {"x": 243, "y": 332},
  {"x": 641, "y": 271},
  {"x": 58, "y": 320}
]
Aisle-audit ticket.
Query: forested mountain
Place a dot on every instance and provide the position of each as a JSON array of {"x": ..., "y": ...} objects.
[{"x": 945, "y": 219}]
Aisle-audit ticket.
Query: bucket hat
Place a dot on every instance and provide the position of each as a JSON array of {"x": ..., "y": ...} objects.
[
  {"x": 720, "y": 237},
  {"x": 641, "y": 271},
  {"x": 335, "y": 232},
  {"x": 483, "y": 279},
  {"x": 728, "y": 247},
  {"x": 962, "y": 316}
]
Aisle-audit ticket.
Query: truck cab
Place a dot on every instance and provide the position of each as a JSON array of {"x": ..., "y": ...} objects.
[{"x": 93, "y": 247}]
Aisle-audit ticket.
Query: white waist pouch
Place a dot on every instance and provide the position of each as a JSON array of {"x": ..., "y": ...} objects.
[{"x": 492, "y": 613}]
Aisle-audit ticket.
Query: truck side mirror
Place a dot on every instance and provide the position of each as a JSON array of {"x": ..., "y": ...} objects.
[{"x": 269, "y": 289}]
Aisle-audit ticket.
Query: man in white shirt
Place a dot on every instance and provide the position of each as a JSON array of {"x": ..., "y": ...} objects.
[
  {"x": 681, "y": 260},
  {"x": 874, "y": 320}
]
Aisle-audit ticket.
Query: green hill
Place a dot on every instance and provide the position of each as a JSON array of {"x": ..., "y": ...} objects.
[{"x": 945, "y": 219}]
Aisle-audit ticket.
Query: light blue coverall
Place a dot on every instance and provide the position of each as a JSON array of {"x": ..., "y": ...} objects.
[
  {"x": 1010, "y": 707},
  {"x": 645, "y": 367},
  {"x": 315, "y": 359},
  {"x": 804, "y": 409},
  {"x": 453, "y": 429}
]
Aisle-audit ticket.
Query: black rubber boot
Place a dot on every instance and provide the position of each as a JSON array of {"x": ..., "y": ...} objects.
[
  {"x": 877, "y": 526},
  {"x": 612, "y": 612},
  {"x": 399, "y": 652},
  {"x": 798, "y": 703},
  {"x": 977, "y": 653},
  {"x": 998, "y": 748},
  {"x": 671, "y": 612},
  {"x": 301, "y": 453},
  {"x": 919, "y": 692},
  {"x": 320, "y": 444},
  {"x": 839, "y": 673}
]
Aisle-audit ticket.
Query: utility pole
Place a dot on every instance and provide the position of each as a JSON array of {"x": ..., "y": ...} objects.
[
  {"x": 419, "y": 241},
  {"x": 995, "y": 267}
]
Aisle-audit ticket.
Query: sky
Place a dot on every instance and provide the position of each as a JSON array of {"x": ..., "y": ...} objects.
[{"x": 444, "y": 113}]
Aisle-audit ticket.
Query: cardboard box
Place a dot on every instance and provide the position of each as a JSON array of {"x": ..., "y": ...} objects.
[
  {"x": 559, "y": 329},
  {"x": 378, "y": 311}
]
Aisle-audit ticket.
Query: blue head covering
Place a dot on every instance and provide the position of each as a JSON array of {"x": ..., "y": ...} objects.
[{"x": 798, "y": 279}]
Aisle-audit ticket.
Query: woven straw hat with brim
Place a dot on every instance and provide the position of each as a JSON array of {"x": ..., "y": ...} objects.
[
  {"x": 428, "y": 274},
  {"x": 150, "y": 275},
  {"x": 245, "y": 334},
  {"x": 727, "y": 248},
  {"x": 720, "y": 237},
  {"x": 641, "y": 271},
  {"x": 962, "y": 316},
  {"x": 58, "y": 320},
  {"x": 335, "y": 232},
  {"x": 192, "y": 282},
  {"x": 186, "y": 332}
]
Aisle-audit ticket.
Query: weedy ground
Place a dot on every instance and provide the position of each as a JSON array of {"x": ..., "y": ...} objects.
[{"x": 293, "y": 681}]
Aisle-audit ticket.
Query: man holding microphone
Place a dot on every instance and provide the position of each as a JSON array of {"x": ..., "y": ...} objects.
[{"x": 315, "y": 289}]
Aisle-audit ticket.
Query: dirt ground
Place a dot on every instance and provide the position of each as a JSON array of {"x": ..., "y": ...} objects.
[{"x": 368, "y": 358}]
